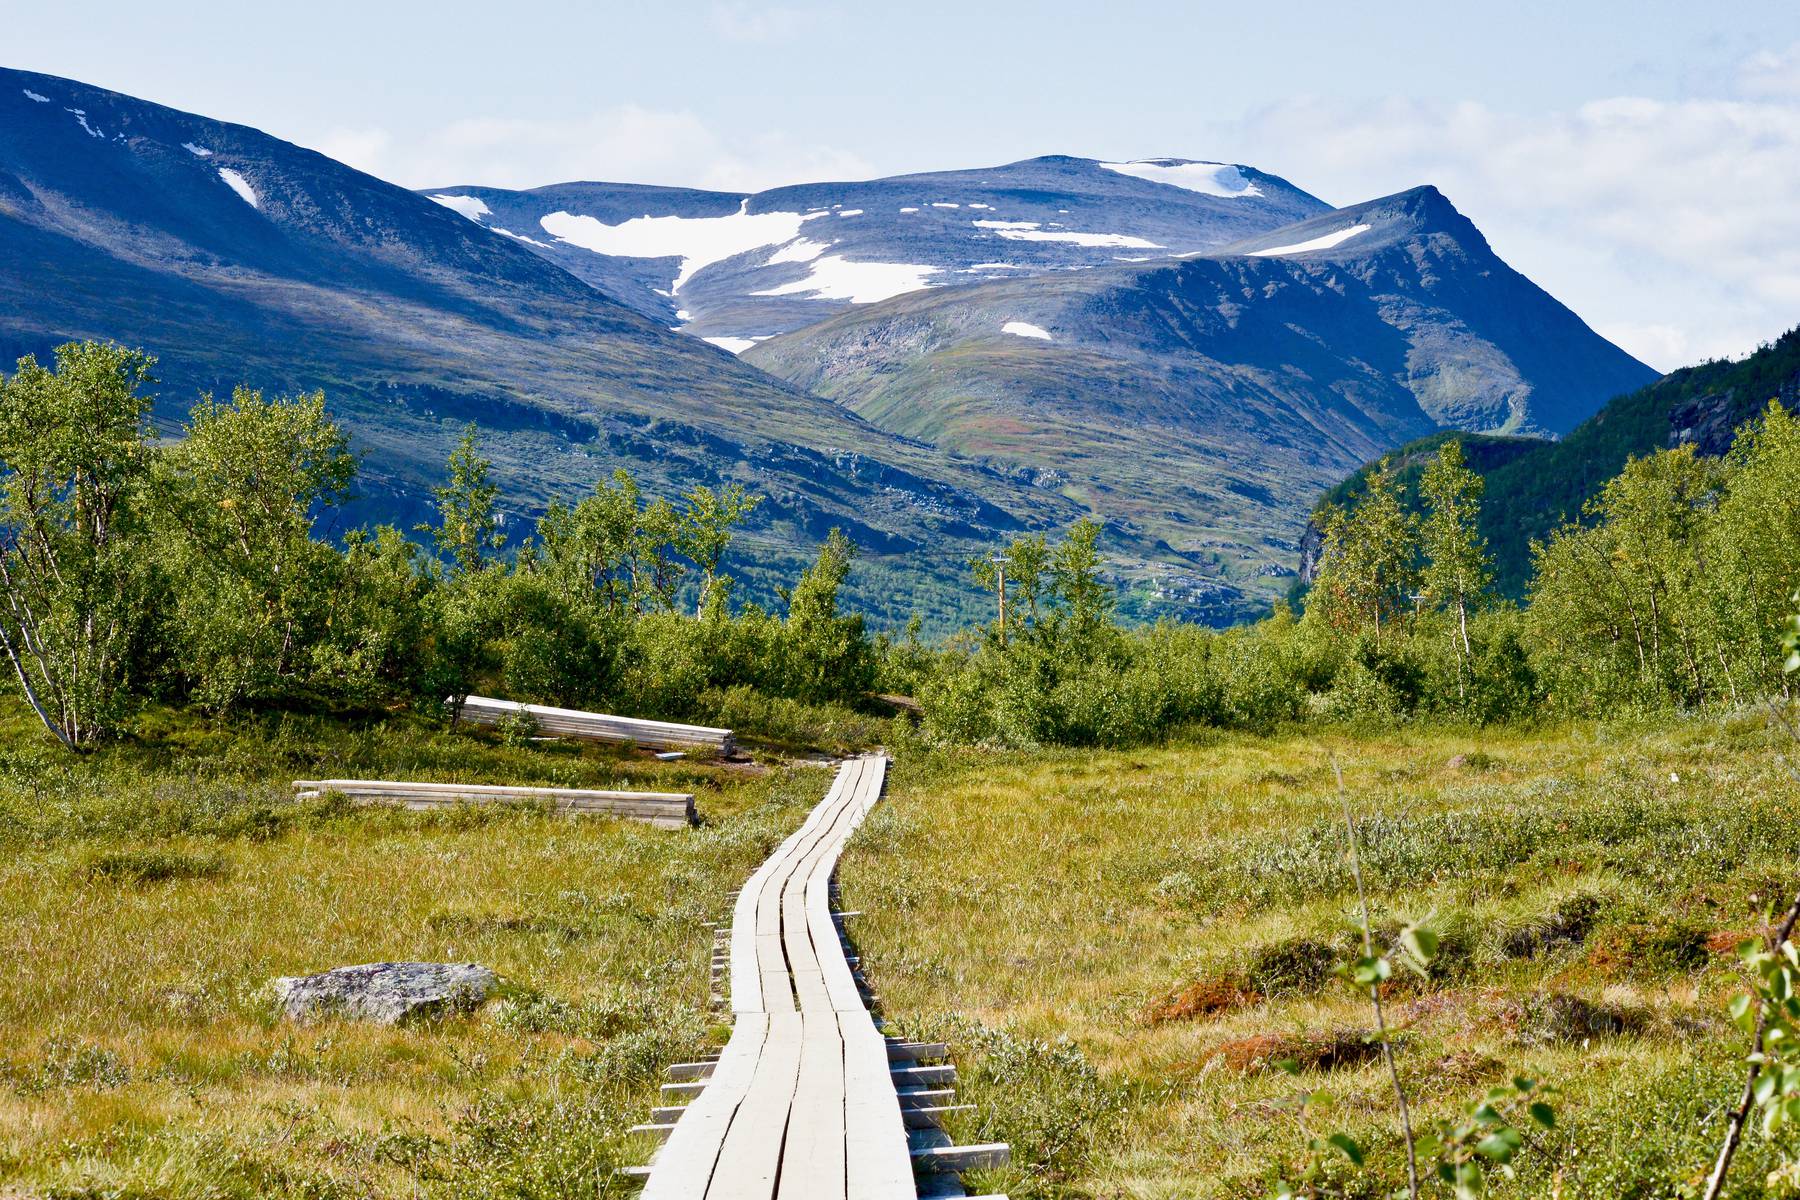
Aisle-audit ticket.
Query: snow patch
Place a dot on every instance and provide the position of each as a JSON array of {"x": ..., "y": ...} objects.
[
  {"x": 519, "y": 237},
  {"x": 834, "y": 277},
  {"x": 1207, "y": 178},
  {"x": 469, "y": 206},
  {"x": 240, "y": 185},
  {"x": 1323, "y": 242},
  {"x": 697, "y": 241},
  {"x": 196, "y": 151},
  {"x": 31, "y": 95},
  {"x": 1028, "y": 231},
  {"x": 81, "y": 115},
  {"x": 1026, "y": 329},
  {"x": 736, "y": 345}
]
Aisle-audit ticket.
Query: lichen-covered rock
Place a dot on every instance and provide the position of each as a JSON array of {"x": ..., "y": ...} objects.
[{"x": 388, "y": 992}]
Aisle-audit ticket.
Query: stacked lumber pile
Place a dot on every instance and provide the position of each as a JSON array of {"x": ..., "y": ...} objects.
[
  {"x": 599, "y": 727},
  {"x": 670, "y": 810}
]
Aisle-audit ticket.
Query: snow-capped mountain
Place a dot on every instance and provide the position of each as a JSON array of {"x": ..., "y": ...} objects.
[
  {"x": 736, "y": 268},
  {"x": 1203, "y": 402},
  {"x": 235, "y": 257},
  {"x": 1188, "y": 350}
]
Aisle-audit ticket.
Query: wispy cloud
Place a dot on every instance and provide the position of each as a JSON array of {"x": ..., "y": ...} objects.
[
  {"x": 1670, "y": 224},
  {"x": 629, "y": 144},
  {"x": 757, "y": 23}
]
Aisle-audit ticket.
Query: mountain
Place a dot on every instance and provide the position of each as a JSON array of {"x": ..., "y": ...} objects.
[
  {"x": 236, "y": 257},
  {"x": 1202, "y": 403},
  {"x": 737, "y": 268},
  {"x": 1534, "y": 485}
]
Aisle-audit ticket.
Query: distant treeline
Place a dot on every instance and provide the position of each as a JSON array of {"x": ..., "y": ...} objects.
[{"x": 189, "y": 573}]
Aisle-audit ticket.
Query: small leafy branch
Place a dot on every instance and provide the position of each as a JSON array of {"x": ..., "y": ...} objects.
[{"x": 1459, "y": 1153}]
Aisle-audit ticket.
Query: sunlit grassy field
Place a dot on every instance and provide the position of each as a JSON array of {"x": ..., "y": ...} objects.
[
  {"x": 1121, "y": 946},
  {"x": 149, "y": 893}
]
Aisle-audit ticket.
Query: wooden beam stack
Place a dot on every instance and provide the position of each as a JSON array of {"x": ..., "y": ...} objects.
[
  {"x": 669, "y": 810},
  {"x": 599, "y": 727}
]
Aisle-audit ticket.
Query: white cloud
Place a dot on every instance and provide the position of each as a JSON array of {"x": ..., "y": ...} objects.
[
  {"x": 1772, "y": 72},
  {"x": 1670, "y": 224},
  {"x": 758, "y": 24},
  {"x": 631, "y": 144}
]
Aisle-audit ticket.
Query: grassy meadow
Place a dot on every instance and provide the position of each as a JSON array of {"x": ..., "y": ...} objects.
[
  {"x": 150, "y": 891},
  {"x": 1121, "y": 946}
]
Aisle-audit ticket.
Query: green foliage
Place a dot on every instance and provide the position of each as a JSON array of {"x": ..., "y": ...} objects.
[
  {"x": 1674, "y": 596},
  {"x": 828, "y": 655},
  {"x": 74, "y": 567},
  {"x": 467, "y": 531},
  {"x": 1366, "y": 576},
  {"x": 251, "y": 592}
]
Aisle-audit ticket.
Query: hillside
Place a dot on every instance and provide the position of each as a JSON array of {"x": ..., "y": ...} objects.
[
  {"x": 1201, "y": 405},
  {"x": 1534, "y": 485},
  {"x": 235, "y": 257},
  {"x": 737, "y": 268}
]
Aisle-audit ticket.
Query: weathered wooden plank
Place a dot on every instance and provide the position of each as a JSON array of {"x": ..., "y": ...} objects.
[
  {"x": 750, "y": 1156},
  {"x": 879, "y": 1165},
  {"x": 601, "y": 727},
  {"x": 675, "y": 808},
  {"x": 685, "y": 1165},
  {"x": 812, "y": 1165}
]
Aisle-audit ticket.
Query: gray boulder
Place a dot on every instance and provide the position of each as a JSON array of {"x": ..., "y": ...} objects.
[{"x": 387, "y": 992}]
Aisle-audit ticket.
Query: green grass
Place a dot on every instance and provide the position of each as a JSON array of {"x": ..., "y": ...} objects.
[
  {"x": 149, "y": 892},
  {"x": 1119, "y": 945}
]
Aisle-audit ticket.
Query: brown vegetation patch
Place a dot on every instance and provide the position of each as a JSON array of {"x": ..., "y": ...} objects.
[
  {"x": 1318, "y": 1050},
  {"x": 1205, "y": 998},
  {"x": 1729, "y": 941}
]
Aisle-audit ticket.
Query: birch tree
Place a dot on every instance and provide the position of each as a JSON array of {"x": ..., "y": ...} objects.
[{"x": 74, "y": 577}]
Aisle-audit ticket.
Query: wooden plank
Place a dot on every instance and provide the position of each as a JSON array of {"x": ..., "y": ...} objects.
[
  {"x": 750, "y": 1156},
  {"x": 930, "y": 1116},
  {"x": 746, "y": 966},
  {"x": 673, "y": 808},
  {"x": 685, "y": 1165},
  {"x": 808, "y": 960},
  {"x": 812, "y": 1165},
  {"x": 601, "y": 727},
  {"x": 879, "y": 1164}
]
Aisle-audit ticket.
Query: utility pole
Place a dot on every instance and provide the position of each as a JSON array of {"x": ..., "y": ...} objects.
[{"x": 1000, "y": 562}]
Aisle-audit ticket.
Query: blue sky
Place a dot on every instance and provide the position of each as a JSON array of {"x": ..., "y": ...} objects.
[{"x": 1640, "y": 160}]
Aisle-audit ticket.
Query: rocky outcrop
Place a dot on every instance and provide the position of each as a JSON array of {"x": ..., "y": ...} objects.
[{"x": 388, "y": 993}]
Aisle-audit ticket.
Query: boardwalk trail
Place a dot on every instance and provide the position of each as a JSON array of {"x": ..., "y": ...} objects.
[{"x": 808, "y": 1100}]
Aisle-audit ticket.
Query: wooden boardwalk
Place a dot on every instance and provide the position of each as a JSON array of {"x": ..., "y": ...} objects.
[{"x": 808, "y": 1101}]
